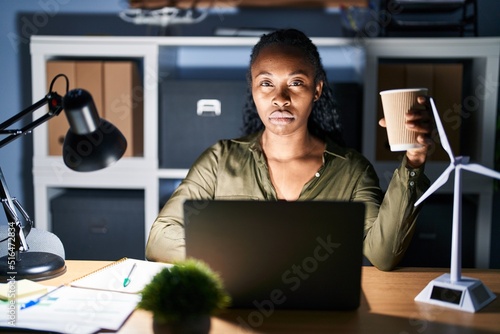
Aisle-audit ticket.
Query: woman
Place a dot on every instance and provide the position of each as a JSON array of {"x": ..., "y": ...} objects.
[{"x": 293, "y": 151}]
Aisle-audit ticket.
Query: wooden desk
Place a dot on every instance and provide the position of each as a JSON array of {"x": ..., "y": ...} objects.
[{"x": 387, "y": 306}]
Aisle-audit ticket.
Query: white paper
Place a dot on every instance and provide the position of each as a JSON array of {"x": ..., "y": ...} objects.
[{"x": 73, "y": 310}]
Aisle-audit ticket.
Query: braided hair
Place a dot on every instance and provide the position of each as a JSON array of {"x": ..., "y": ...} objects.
[{"x": 324, "y": 119}]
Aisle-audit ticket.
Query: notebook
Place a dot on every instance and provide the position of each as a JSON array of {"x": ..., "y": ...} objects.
[
  {"x": 281, "y": 255},
  {"x": 125, "y": 275}
]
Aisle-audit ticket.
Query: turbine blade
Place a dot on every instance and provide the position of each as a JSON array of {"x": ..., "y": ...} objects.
[
  {"x": 438, "y": 183},
  {"x": 482, "y": 170},
  {"x": 442, "y": 134}
]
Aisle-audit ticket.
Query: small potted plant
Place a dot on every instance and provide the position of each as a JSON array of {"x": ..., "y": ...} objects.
[{"x": 183, "y": 297}]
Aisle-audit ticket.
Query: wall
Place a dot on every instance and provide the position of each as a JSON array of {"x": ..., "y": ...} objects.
[{"x": 20, "y": 19}]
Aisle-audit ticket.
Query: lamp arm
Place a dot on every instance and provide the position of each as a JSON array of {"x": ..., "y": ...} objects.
[
  {"x": 55, "y": 107},
  {"x": 54, "y": 101},
  {"x": 10, "y": 204}
]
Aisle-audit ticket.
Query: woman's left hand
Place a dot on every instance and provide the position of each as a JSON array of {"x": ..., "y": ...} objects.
[{"x": 422, "y": 122}]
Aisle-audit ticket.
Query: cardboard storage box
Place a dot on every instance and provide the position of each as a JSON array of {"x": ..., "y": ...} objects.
[
  {"x": 123, "y": 103},
  {"x": 81, "y": 74},
  {"x": 99, "y": 224},
  {"x": 117, "y": 92}
]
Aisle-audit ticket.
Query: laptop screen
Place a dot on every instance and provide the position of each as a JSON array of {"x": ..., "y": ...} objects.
[{"x": 288, "y": 255}]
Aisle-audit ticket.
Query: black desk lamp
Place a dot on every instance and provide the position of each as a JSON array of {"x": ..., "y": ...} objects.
[{"x": 91, "y": 143}]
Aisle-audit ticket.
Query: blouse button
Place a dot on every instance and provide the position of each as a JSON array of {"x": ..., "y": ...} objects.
[{"x": 317, "y": 174}]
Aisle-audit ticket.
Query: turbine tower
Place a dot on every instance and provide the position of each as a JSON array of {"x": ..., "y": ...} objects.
[{"x": 454, "y": 290}]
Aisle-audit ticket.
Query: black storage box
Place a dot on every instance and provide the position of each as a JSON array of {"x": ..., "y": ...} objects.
[
  {"x": 349, "y": 99},
  {"x": 431, "y": 243},
  {"x": 98, "y": 224},
  {"x": 195, "y": 114}
]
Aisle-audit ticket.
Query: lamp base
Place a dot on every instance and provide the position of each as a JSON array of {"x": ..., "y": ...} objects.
[
  {"x": 35, "y": 266},
  {"x": 467, "y": 294}
]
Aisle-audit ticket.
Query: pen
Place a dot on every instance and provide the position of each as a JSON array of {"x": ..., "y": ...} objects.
[
  {"x": 39, "y": 299},
  {"x": 126, "y": 281}
]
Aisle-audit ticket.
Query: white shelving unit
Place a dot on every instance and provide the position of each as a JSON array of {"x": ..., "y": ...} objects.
[
  {"x": 483, "y": 55},
  {"x": 360, "y": 58}
]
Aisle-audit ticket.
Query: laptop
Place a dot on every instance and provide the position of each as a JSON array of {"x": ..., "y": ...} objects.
[{"x": 304, "y": 255}]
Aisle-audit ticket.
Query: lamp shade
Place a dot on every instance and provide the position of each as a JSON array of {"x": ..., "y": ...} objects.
[{"x": 91, "y": 142}]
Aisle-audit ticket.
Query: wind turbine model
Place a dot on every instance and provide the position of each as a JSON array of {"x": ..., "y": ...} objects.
[{"x": 453, "y": 290}]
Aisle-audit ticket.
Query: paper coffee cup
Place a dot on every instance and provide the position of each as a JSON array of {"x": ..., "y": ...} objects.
[{"x": 396, "y": 103}]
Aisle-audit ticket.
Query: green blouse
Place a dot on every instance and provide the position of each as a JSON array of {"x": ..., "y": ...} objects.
[{"x": 237, "y": 169}]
